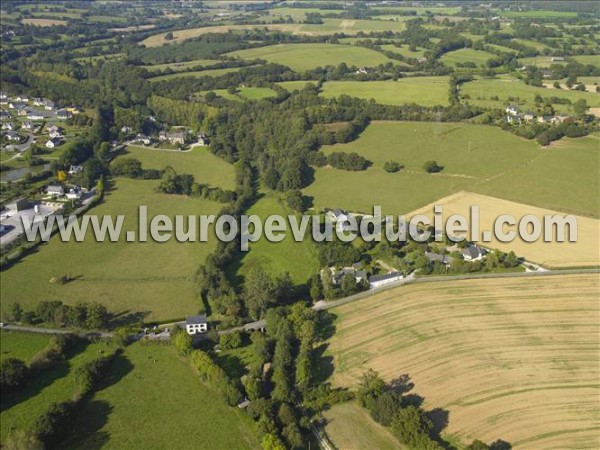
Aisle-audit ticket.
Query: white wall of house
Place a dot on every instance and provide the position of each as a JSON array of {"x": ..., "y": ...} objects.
[
  {"x": 196, "y": 328},
  {"x": 376, "y": 284}
]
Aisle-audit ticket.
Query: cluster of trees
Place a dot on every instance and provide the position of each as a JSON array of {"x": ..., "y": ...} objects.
[
  {"x": 132, "y": 168},
  {"x": 173, "y": 183},
  {"x": 347, "y": 161},
  {"x": 391, "y": 405},
  {"x": 432, "y": 167},
  {"x": 91, "y": 316}
]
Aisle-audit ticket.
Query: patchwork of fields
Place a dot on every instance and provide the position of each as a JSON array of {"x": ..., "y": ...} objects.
[
  {"x": 515, "y": 359},
  {"x": 476, "y": 158}
]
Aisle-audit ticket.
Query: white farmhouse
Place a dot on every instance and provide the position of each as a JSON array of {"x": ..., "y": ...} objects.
[
  {"x": 376, "y": 281},
  {"x": 196, "y": 324}
]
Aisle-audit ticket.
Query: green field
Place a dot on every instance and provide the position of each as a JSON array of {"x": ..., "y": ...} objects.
[
  {"x": 152, "y": 389},
  {"x": 151, "y": 278},
  {"x": 179, "y": 66},
  {"x": 466, "y": 55},
  {"x": 293, "y": 85},
  {"x": 482, "y": 90},
  {"x": 55, "y": 385},
  {"x": 543, "y": 14},
  {"x": 404, "y": 50},
  {"x": 256, "y": 93},
  {"x": 22, "y": 346},
  {"x": 297, "y": 258},
  {"x": 195, "y": 74},
  {"x": 199, "y": 161},
  {"x": 475, "y": 158},
  {"x": 594, "y": 60},
  {"x": 300, "y": 57},
  {"x": 426, "y": 91},
  {"x": 539, "y": 61},
  {"x": 350, "y": 426}
]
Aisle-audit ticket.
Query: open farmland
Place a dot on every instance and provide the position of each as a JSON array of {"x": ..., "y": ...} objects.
[
  {"x": 350, "y": 426},
  {"x": 329, "y": 26},
  {"x": 276, "y": 258},
  {"x": 426, "y": 91},
  {"x": 300, "y": 57},
  {"x": 39, "y": 22},
  {"x": 59, "y": 384},
  {"x": 199, "y": 161},
  {"x": 515, "y": 359},
  {"x": 22, "y": 346},
  {"x": 481, "y": 91},
  {"x": 584, "y": 252},
  {"x": 152, "y": 389},
  {"x": 153, "y": 279},
  {"x": 465, "y": 55}
]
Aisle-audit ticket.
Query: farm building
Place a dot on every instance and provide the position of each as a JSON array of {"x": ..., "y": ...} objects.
[
  {"x": 433, "y": 257},
  {"x": 376, "y": 281},
  {"x": 196, "y": 324},
  {"x": 55, "y": 190}
]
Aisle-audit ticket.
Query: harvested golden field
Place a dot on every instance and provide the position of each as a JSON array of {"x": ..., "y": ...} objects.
[
  {"x": 43, "y": 22},
  {"x": 511, "y": 358},
  {"x": 584, "y": 252}
]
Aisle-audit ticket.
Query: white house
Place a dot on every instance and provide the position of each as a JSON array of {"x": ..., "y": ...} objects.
[
  {"x": 28, "y": 126},
  {"x": 142, "y": 138},
  {"x": 48, "y": 105},
  {"x": 196, "y": 324},
  {"x": 22, "y": 98},
  {"x": 7, "y": 126},
  {"x": 52, "y": 143},
  {"x": 202, "y": 139},
  {"x": 376, "y": 281},
  {"x": 55, "y": 190},
  {"x": 35, "y": 115},
  {"x": 337, "y": 215},
  {"x": 13, "y": 136},
  {"x": 75, "y": 169},
  {"x": 55, "y": 135},
  {"x": 63, "y": 114},
  {"x": 473, "y": 253},
  {"x": 74, "y": 193},
  {"x": 512, "y": 110}
]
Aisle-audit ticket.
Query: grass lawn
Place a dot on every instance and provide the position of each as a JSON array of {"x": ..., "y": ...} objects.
[
  {"x": 152, "y": 389},
  {"x": 482, "y": 90},
  {"x": 55, "y": 385},
  {"x": 150, "y": 278},
  {"x": 350, "y": 426},
  {"x": 300, "y": 57},
  {"x": 426, "y": 91},
  {"x": 466, "y": 55},
  {"x": 22, "y": 346},
  {"x": 37, "y": 22},
  {"x": 297, "y": 258},
  {"x": 199, "y": 161},
  {"x": 478, "y": 158}
]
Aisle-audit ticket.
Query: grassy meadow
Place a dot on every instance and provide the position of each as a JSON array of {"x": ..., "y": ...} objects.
[
  {"x": 22, "y": 346},
  {"x": 151, "y": 388},
  {"x": 199, "y": 161},
  {"x": 481, "y": 91},
  {"x": 426, "y": 91},
  {"x": 466, "y": 55},
  {"x": 297, "y": 258},
  {"x": 350, "y": 426},
  {"x": 300, "y": 57},
  {"x": 515, "y": 359},
  {"x": 58, "y": 384},
  {"x": 153, "y": 279}
]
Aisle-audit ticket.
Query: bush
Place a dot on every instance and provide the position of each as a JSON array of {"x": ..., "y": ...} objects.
[
  {"x": 347, "y": 161},
  {"x": 432, "y": 167},
  {"x": 392, "y": 166},
  {"x": 230, "y": 340},
  {"x": 13, "y": 374},
  {"x": 55, "y": 425}
]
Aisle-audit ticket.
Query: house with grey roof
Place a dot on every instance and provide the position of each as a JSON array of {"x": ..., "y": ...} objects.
[
  {"x": 473, "y": 253},
  {"x": 433, "y": 257},
  {"x": 196, "y": 324}
]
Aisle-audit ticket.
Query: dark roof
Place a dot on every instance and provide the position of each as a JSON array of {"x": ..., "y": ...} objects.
[
  {"x": 386, "y": 276},
  {"x": 193, "y": 320},
  {"x": 445, "y": 259},
  {"x": 361, "y": 274},
  {"x": 473, "y": 252}
]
